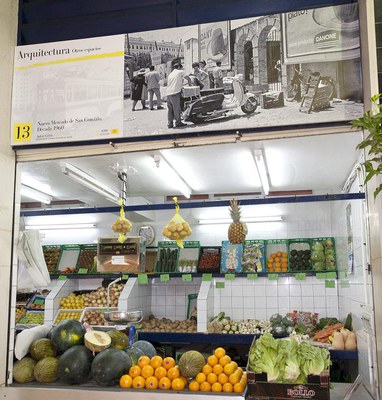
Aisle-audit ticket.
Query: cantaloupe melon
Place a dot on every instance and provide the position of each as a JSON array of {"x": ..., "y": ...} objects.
[{"x": 191, "y": 363}]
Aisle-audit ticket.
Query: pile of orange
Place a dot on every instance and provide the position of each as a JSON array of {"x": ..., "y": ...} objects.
[
  {"x": 278, "y": 262},
  {"x": 154, "y": 373},
  {"x": 220, "y": 374}
]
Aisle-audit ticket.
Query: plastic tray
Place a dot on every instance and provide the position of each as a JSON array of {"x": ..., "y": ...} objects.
[{"x": 67, "y": 311}]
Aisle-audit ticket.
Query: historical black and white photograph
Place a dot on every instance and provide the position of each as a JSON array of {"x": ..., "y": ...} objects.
[{"x": 296, "y": 68}]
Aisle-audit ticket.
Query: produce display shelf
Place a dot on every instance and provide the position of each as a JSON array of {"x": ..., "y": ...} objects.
[
  {"x": 225, "y": 339},
  {"x": 194, "y": 274}
]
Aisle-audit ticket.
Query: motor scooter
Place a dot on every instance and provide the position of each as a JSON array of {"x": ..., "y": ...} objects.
[{"x": 202, "y": 106}]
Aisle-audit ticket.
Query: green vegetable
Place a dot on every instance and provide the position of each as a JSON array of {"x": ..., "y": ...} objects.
[
  {"x": 349, "y": 322},
  {"x": 313, "y": 360},
  {"x": 325, "y": 322}
]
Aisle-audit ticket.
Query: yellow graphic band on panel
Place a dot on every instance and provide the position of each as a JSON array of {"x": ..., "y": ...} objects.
[{"x": 69, "y": 60}]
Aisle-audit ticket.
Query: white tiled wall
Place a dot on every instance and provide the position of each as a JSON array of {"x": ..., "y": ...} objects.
[{"x": 261, "y": 298}]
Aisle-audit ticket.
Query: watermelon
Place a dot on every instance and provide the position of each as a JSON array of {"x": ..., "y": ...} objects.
[
  {"x": 109, "y": 365},
  {"x": 191, "y": 363},
  {"x": 147, "y": 348},
  {"x": 45, "y": 371},
  {"x": 42, "y": 348},
  {"x": 74, "y": 366},
  {"x": 134, "y": 353},
  {"x": 66, "y": 334},
  {"x": 23, "y": 370}
]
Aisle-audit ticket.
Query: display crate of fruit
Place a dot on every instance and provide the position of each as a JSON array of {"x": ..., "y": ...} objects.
[
  {"x": 87, "y": 259},
  {"x": 300, "y": 255},
  {"x": 63, "y": 314},
  {"x": 253, "y": 256},
  {"x": 188, "y": 256},
  {"x": 68, "y": 259},
  {"x": 231, "y": 257},
  {"x": 30, "y": 319},
  {"x": 167, "y": 257},
  {"x": 94, "y": 316},
  {"x": 36, "y": 303},
  {"x": 323, "y": 254},
  {"x": 19, "y": 313},
  {"x": 276, "y": 251},
  {"x": 209, "y": 260},
  {"x": 52, "y": 256}
]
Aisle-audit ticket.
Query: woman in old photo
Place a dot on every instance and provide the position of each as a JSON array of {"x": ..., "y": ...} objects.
[{"x": 138, "y": 89}]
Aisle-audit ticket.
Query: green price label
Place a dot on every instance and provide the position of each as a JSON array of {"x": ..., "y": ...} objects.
[
  {"x": 125, "y": 277},
  {"x": 229, "y": 277},
  {"x": 321, "y": 275},
  {"x": 273, "y": 277},
  {"x": 343, "y": 274},
  {"x": 83, "y": 271},
  {"x": 330, "y": 284},
  {"x": 164, "y": 277},
  {"x": 62, "y": 278},
  {"x": 220, "y": 285},
  {"x": 143, "y": 279},
  {"x": 39, "y": 301},
  {"x": 331, "y": 275},
  {"x": 300, "y": 276},
  {"x": 207, "y": 277},
  {"x": 252, "y": 277},
  {"x": 187, "y": 278}
]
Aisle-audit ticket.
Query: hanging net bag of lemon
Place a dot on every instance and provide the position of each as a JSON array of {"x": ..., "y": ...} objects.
[
  {"x": 122, "y": 225},
  {"x": 178, "y": 228}
]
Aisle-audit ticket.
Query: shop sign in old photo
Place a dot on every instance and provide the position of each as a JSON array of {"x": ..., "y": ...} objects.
[{"x": 68, "y": 91}]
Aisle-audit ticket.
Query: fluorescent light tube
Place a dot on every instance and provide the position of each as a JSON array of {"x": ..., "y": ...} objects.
[
  {"x": 211, "y": 221},
  {"x": 262, "y": 170},
  {"x": 61, "y": 226},
  {"x": 169, "y": 174},
  {"x": 88, "y": 181},
  {"x": 35, "y": 194}
]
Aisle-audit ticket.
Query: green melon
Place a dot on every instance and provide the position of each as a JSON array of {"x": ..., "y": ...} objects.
[
  {"x": 119, "y": 340},
  {"x": 109, "y": 365},
  {"x": 134, "y": 353},
  {"x": 46, "y": 370},
  {"x": 23, "y": 370},
  {"x": 147, "y": 348},
  {"x": 74, "y": 366},
  {"x": 191, "y": 363},
  {"x": 42, "y": 348}
]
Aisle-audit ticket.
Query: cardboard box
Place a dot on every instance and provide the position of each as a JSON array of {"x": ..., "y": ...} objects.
[
  {"x": 253, "y": 256},
  {"x": 129, "y": 256},
  {"x": 231, "y": 257}
]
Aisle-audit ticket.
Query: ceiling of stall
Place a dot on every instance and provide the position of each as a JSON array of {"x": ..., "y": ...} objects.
[{"x": 320, "y": 164}]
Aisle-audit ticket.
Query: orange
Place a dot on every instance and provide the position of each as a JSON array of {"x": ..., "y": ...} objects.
[
  {"x": 219, "y": 352},
  {"x": 217, "y": 369},
  {"x": 228, "y": 388},
  {"x": 240, "y": 371},
  {"x": 177, "y": 384},
  {"x": 222, "y": 378},
  {"x": 156, "y": 361},
  {"x": 193, "y": 386},
  {"x": 205, "y": 387},
  {"x": 212, "y": 360},
  {"x": 230, "y": 368},
  {"x": 168, "y": 362},
  {"x": 126, "y": 381},
  {"x": 138, "y": 382},
  {"x": 173, "y": 373},
  {"x": 164, "y": 383},
  {"x": 143, "y": 360},
  {"x": 243, "y": 378},
  {"x": 234, "y": 363},
  {"x": 134, "y": 371},
  {"x": 207, "y": 369},
  {"x": 160, "y": 372},
  {"x": 225, "y": 360},
  {"x": 238, "y": 388},
  {"x": 217, "y": 387},
  {"x": 234, "y": 378},
  {"x": 151, "y": 383},
  {"x": 200, "y": 377},
  {"x": 184, "y": 379},
  {"x": 147, "y": 371},
  {"x": 279, "y": 254},
  {"x": 212, "y": 378}
]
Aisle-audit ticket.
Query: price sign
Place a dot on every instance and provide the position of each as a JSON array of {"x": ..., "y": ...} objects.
[
  {"x": 330, "y": 284},
  {"x": 164, "y": 277},
  {"x": 331, "y": 275},
  {"x": 187, "y": 278},
  {"x": 321, "y": 275},
  {"x": 62, "y": 278},
  {"x": 252, "y": 277},
  {"x": 301, "y": 276},
  {"x": 273, "y": 277},
  {"x": 143, "y": 279},
  {"x": 207, "y": 277},
  {"x": 220, "y": 285},
  {"x": 229, "y": 277},
  {"x": 83, "y": 271},
  {"x": 125, "y": 277}
]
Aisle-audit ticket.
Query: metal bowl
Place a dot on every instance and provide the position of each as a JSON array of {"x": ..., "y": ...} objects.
[{"x": 123, "y": 317}]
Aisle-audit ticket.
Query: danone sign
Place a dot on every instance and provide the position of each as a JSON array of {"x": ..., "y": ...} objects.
[{"x": 68, "y": 91}]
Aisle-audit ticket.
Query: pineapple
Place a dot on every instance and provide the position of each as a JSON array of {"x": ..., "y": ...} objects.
[{"x": 237, "y": 230}]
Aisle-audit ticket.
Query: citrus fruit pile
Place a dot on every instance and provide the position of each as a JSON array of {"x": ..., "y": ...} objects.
[
  {"x": 154, "y": 373},
  {"x": 219, "y": 374}
]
